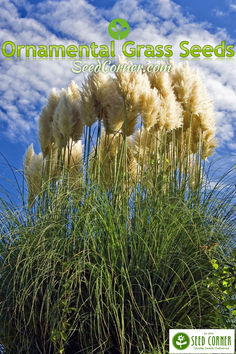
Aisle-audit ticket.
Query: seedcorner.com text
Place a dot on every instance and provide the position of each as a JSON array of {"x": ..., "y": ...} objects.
[{"x": 107, "y": 66}]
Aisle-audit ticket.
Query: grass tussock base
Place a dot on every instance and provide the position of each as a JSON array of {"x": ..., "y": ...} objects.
[{"x": 108, "y": 272}]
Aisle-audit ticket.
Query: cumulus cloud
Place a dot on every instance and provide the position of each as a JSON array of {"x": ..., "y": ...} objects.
[
  {"x": 218, "y": 12},
  {"x": 233, "y": 6},
  {"x": 25, "y": 84}
]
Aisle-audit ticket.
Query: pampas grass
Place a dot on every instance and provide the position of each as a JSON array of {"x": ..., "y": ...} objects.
[
  {"x": 114, "y": 248},
  {"x": 175, "y": 115}
]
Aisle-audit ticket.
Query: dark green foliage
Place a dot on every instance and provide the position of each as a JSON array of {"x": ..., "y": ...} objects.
[{"x": 107, "y": 272}]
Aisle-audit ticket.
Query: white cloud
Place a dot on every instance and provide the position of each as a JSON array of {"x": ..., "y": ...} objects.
[
  {"x": 25, "y": 84},
  {"x": 218, "y": 12},
  {"x": 233, "y": 7}
]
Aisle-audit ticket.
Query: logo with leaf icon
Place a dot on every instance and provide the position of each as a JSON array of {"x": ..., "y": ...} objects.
[
  {"x": 181, "y": 341},
  {"x": 118, "y": 28}
]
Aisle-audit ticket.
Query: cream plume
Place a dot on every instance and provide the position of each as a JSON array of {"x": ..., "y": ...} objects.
[
  {"x": 139, "y": 98},
  {"x": 171, "y": 114},
  {"x": 145, "y": 146},
  {"x": 150, "y": 107},
  {"x": 112, "y": 108},
  {"x": 74, "y": 97},
  {"x": 45, "y": 122},
  {"x": 63, "y": 121},
  {"x": 197, "y": 106},
  {"x": 104, "y": 100},
  {"x": 90, "y": 106},
  {"x": 33, "y": 170},
  {"x": 69, "y": 157},
  {"x": 209, "y": 143},
  {"x": 74, "y": 159},
  {"x": 195, "y": 173},
  {"x": 112, "y": 158},
  {"x": 127, "y": 83},
  {"x": 176, "y": 114},
  {"x": 28, "y": 156},
  {"x": 51, "y": 170},
  {"x": 72, "y": 155}
]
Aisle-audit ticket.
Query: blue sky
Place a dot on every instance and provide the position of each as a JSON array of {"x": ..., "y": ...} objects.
[{"x": 25, "y": 84}]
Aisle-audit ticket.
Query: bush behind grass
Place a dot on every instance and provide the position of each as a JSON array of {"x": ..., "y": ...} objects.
[{"x": 110, "y": 270}]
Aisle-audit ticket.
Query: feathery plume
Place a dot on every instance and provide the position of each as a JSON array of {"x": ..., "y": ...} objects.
[
  {"x": 113, "y": 159},
  {"x": 76, "y": 159},
  {"x": 62, "y": 121},
  {"x": 171, "y": 114},
  {"x": 112, "y": 108},
  {"x": 72, "y": 155},
  {"x": 130, "y": 87},
  {"x": 74, "y": 97},
  {"x": 139, "y": 98},
  {"x": 177, "y": 123},
  {"x": 51, "y": 166},
  {"x": 195, "y": 174},
  {"x": 45, "y": 122},
  {"x": 33, "y": 169},
  {"x": 209, "y": 143},
  {"x": 76, "y": 156},
  {"x": 150, "y": 107},
  {"x": 65, "y": 116},
  {"x": 90, "y": 106},
  {"x": 73, "y": 91},
  {"x": 28, "y": 156},
  {"x": 198, "y": 111},
  {"x": 105, "y": 102},
  {"x": 145, "y": 146}
]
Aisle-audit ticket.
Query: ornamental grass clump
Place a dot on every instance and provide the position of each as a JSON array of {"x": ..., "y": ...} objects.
[{"x": 115, "y": 245}]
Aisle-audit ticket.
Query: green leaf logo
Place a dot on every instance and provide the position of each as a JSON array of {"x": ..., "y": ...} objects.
[
  {"x": 181, "y": 341},
  {"x": 118, "y": 28}
]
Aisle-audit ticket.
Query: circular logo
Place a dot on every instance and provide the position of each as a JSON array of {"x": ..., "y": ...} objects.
[
  {"x": 181, "y": 341},
  {"x": 118, "y": 28}
]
